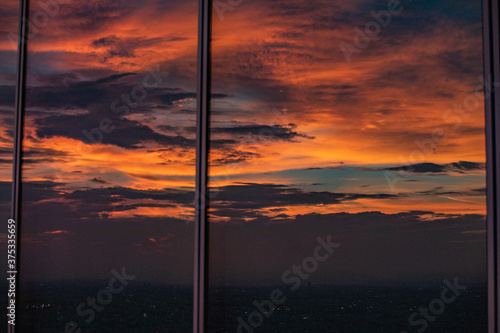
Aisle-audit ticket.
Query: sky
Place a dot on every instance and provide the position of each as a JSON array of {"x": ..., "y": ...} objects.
[{"x": 383, "y": 149}]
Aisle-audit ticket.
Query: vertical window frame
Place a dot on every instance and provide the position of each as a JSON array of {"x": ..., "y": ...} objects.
[
  {"x": 200, "y": 285},
  {"x": 491, "y": 38},
  {"x": 20, "y": 99}
]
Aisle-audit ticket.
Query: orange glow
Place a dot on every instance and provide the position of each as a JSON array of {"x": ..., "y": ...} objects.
[
  {"x": 396, "y": 104},
  {"x": 56, "y": 232}
]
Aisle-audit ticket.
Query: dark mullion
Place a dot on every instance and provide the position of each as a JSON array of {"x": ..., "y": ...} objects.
[
  {"x": 492, "y": 104},
  {"x": 495, "y": 62},
  {"x": 202, "y": 146},
  {"x": 18, "y": 136}
]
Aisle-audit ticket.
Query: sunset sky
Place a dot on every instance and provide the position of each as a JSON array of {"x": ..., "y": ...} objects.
[
  {"x": 8, "y": 62},
  {"x": 385, "y": 152},
  {"x": 319, "y": 142}
]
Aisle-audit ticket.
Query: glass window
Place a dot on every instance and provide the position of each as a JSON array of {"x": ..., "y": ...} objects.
[
  {"x": 108, "y": 174},
  {"x": 347, "y": 168}
]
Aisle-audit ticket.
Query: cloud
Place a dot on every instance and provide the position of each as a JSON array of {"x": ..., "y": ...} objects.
[
  {"x": 92, "y": 15},
  {"x": 409, "y": 247},
  {"x": 7, "y": 95},
  {"x": 176, "y": 95},
  {"x": 231, "y": 156},
  {"x": 76, "y": 93},
  {"x": 248, "y": 196},
  {"x": 118, "y": 194},
  {"x": 440, "y": 191},
  {"x": 411, "y": 244},
  {"x": 99, "y": 181},
  {"x": 126, "y": 133},
  {"x": 126, "y": 47},
  {"x": 92, "y": 96},
  {"x": 458, "y": 167}
]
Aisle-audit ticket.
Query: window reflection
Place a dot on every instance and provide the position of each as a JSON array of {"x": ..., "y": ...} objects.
[
  {"x": 109, "y": 167},
  {"x": 361, "y": 120}
]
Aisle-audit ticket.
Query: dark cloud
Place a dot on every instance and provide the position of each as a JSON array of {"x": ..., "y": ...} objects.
[
  {"x": 46, "y": 199},
  {"x": 43, "y": 152},
  {"x": 126, "y": 133},
  {"x": 99, "y": 180},
  {"x": 7, "y": 95},
  {"x": 339, "y": 166},
  {"x": 174, "y": 95},
  {"x": 111, "y": 78},
  {"x": 460, "y": 167},
  {"x": 105, "y": 41},
  {"x": 117, "y": 194},
  {"x": 37, "y": 191},
  {"x": 243, "y": 198},
  {"x": 441, "y": 191},
  {"x": 231, "y": 156},
  {"x": 233, "y": 200},
  {"x": 126, "y": 47},
  {"x": 168, "y": 99},
  {"x": 238, "y": 135},
  {"x": 75, "y": 93},
  {"x": 97, "y": 97},
  {"x": 347, "y": 91},
  {"x": 275, "y": 132},
  {"x": 376, "y": 248},
  {"x": 97, "y": 94},
  {"x": 93, "y": 15}
]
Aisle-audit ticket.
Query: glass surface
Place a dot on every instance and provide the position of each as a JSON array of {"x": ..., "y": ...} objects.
[
  {"x": 108, "y": 174},
  {"x": 9, "y": 18},
  {"x": 347, "y": 169}
]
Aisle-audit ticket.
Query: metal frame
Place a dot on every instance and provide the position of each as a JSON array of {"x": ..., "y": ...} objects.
[
  {"x": 18, "y": 137},
  {"x": 491, "y": 31},
  {"x": 200, "y": 287}
]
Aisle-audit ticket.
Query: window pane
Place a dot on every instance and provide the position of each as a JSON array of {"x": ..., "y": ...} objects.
[
  {"x": 347, "y": 167},
  {"x": 9, "y": 16},
  {"x": 109, "y": 167}
]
